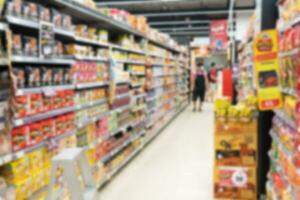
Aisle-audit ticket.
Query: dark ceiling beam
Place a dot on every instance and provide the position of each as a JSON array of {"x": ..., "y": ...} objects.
[
  {"x": 184, "y": 22},
  {"x": 185, "y": 29},
  {"x": 187, "y": 33},
  {"x": 190, "y": 13},
  {"x": 125, "y": 3}
]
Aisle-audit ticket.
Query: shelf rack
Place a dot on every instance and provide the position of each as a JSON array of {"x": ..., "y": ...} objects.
[{"x": 87, "y": 15}]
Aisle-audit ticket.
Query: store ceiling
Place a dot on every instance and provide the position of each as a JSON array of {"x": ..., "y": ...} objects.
[{"x": 182, "y": 19}]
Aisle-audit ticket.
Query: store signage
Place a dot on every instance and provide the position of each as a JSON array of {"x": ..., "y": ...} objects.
[
  {"x": 218, "y": 34},
  {"x": 266, "y": 65}
]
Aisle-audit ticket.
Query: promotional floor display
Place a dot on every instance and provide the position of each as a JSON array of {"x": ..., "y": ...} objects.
[{"x": 235, "y": 149}]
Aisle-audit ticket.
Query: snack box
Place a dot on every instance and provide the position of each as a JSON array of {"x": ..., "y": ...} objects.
[
  {"x": 222, "y": 127},
  {"x": 20, "y": 138},
  {"x": 16, "y": 171},
  {"x": 235, "y": 183},
  {"x": 236, "y": 149}
]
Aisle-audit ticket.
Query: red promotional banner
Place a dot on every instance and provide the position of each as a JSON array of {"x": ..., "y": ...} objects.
[{"x": 218, "y": 34}]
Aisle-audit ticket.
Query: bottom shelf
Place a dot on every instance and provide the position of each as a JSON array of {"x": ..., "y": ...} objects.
[
  {"x": 172, "y": 115},
  {"x": 152, "y": 134}
]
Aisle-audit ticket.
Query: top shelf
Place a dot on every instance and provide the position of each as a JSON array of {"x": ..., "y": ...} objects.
[{"x": 81, "y": 12}]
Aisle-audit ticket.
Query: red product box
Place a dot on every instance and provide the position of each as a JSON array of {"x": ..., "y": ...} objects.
[
  {"x": 21, "y": 106},
  {"x": 70, "y": 119},
  {"x": 48, "y": 128},
  {"x": 69, "y": 98},
  {"x": 36, "y": 104},
  {"x": 60, "y": 125},
  {"x": 47, "y": 103},
  {"x": 20, "y": 138},
  {"x": 102, "y": 127},
  {"x": 59, "y": 100},
  {"x": 35, "y": 133}
]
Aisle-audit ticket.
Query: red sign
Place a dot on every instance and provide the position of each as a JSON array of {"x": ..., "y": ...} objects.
[{"x": 218, "y": 34}]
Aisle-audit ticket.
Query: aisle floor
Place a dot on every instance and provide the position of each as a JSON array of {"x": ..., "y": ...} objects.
[{"x": 177, "y": 165}]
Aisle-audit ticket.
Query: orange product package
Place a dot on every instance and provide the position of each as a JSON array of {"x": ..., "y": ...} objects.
[
  {"x": 35, "y": 133},
  {"x": 235, "y": 183},
  {"x": 20, "y": 138}
]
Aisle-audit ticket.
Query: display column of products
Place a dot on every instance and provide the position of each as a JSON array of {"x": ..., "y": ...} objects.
[{"x": 235, "y": 150}]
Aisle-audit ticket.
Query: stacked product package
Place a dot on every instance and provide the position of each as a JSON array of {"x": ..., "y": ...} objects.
[{"x": 235, "y": 150}]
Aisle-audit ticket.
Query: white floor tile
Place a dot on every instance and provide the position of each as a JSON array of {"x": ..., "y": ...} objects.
[{"x": 177, "y": 165}]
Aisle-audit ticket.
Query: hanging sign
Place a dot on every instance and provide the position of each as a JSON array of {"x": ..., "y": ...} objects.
[
  {"x": 218, "y": 34},
  {"x": 266, "y": 65}
]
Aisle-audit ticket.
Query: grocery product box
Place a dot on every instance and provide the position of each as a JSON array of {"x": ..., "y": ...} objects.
[
  {"x": 235, "y": 183},
  {"x": 222, "y": 127},
  {"x": 236, "y": 149}
]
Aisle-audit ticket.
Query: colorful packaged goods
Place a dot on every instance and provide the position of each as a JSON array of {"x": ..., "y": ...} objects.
[{"x": 235, "y": 150}]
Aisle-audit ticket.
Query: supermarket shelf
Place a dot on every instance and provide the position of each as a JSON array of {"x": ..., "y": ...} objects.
[
  {"x": 36, "y": 60},
  {"x": 45, "y": 89},
  {"x": 290, "y": 91},
  {"x": 138, "y": 108},
  {"x": 156, "y": 55},
  {"x": 90, "y": 120},
  {"x": 115, "y": 151},
  {"x": 153, "y": 98},
  {"x": 22, "y": 22},
  {"x": 136, "y": 85},
  {"x": 138, "y": 73},
  {"x": 91, "y": 85},
  {"x": 88, "y": 58},
  {"x": 118, "y": 47},
  {"x": 91, "y": 42},
  {"x": 121, "y": 109},
  {"x": 36, "y": 25},
  {"x": 133, "y": 62},
  {"x": 120, "y": 129},
  {"x": 41, "y": 116},
  {"x": 121, "y": 166},
  {"x": 139, "y": 96},
  {"x": 156, "y": 86},
  {"x": 14, "y": 156},
  {"x": 63, "y": 32},
  {"x": 122, "y": 82},
  {"x": 161, "y": 128},
  {"x": 138, "y": 150},
  {"x": 289, "y": 53},
  {"x": 291, "y": 24},
  {"x": 158, "y": 64},
  {"x": 287, "y": 152},
  {"x": 82, "y": 12},
  {"x": 91, "y": 104},
  {"x": 121, "y": 96},
  {"x": 134, "y": 124},
  {"x": 281, "y": 114}
]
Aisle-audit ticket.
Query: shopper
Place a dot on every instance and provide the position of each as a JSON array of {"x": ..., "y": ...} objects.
[
  {"x": 212, "y": 77},
  {"x": 199, "y": 86}
]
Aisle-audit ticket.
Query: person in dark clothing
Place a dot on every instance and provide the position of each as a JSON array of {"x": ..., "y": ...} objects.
[{"x": 199, "y": 86}]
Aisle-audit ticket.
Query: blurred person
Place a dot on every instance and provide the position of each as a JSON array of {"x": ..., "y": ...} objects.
[
  {"x": 212, "y": 77},
  {"x": 200, "y": 84}
]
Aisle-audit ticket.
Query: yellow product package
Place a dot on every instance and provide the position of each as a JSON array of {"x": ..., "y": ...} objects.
[
  {"x": 17, "y": 171},
  {"x": 236, "y": 149}
]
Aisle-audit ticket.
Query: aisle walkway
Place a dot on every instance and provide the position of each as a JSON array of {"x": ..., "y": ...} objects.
[{"x": 177, "y": 165}]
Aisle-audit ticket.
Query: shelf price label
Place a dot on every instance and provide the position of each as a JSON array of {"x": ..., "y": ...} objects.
[{"x": 266, "y": 66}]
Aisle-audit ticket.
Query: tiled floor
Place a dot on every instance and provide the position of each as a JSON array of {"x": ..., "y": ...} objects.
[{"x": 177, "y": 165}]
